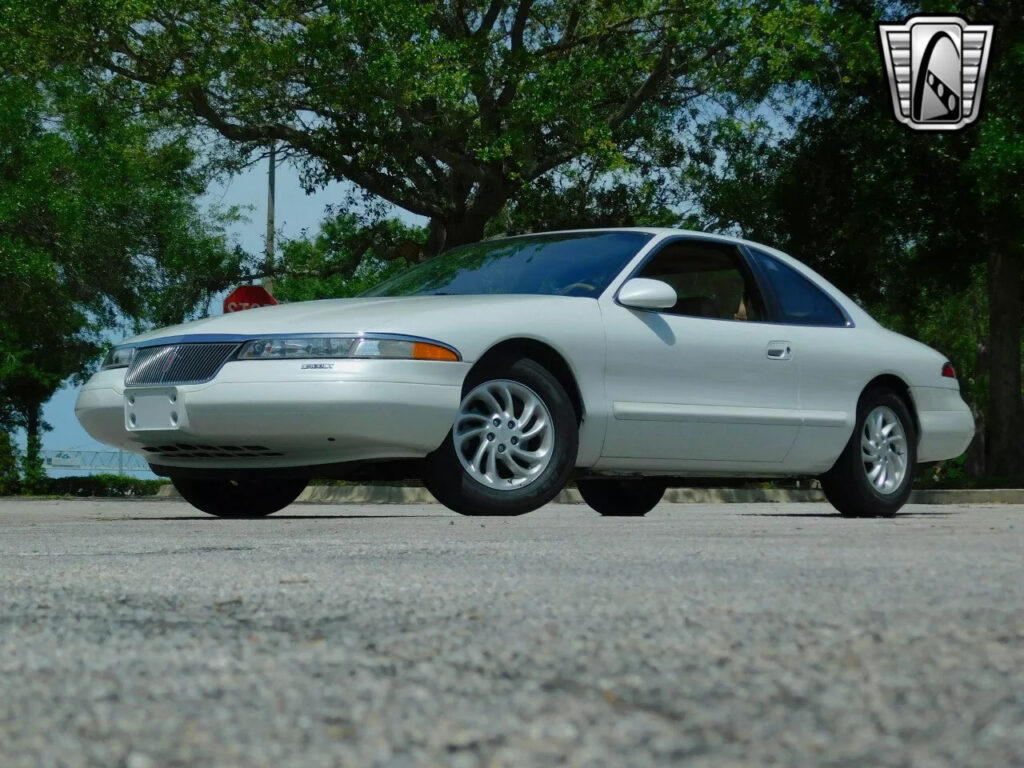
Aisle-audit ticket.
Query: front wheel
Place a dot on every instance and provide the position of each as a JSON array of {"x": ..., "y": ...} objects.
[
  {"x": 622, "y": 497},
  {"x": 874, "y": 475},
  {"x": 256, "y": 497},
  {"x": 513, "y": 443}
]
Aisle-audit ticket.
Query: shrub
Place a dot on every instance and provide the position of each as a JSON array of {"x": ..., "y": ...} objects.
[
  {"x": 119, "y": 486},
  {"x": 10, "y": 482}
]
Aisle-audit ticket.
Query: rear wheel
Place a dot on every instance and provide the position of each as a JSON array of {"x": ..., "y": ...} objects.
[
  {"x": 513, "y": 444},
  {"x": 239, "y": 498},
  {"x": 874, "y": 475},
  {"x": 627, "y": 497}
]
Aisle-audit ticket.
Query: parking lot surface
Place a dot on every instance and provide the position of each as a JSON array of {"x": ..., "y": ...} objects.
[{"x": 137, "y": 634}]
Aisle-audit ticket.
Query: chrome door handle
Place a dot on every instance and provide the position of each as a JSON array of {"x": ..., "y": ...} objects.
[{"x": 779, "y": 350}]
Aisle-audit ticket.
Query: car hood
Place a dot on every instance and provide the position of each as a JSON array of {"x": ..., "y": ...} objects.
[{"x": 407, "y": 315}]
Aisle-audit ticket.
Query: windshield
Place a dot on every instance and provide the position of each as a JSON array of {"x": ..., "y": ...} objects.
[{"x": 576, "y": 264}]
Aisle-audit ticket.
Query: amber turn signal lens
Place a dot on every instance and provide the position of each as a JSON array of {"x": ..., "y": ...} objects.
[{"x": 423, "y": 351}]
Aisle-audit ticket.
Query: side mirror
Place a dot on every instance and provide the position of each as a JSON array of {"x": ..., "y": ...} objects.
[{"x": 644, "y": 293}]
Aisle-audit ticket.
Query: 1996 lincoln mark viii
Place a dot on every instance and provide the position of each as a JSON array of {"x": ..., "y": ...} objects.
[{"x": 627, "y": 359}]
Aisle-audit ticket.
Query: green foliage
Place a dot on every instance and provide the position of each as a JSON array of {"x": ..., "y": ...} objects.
[
  {"x": 946, "y": 474},
  {"x": 497, "y": 117},
  {"x": 98, "y": 226},
  {"x": 445, "y": 109},
  {"x": 10, "y": 480},
  {"x": 33, "y": 471},
  {"x": 345, "y": 258},
  {"x": 98, "y": 211},
  {"x": 926, "y": 229},
  {"x": 587, "y": 196},
  {"x": 107, "y": 485},
  {"x": 953, "y": 322}
]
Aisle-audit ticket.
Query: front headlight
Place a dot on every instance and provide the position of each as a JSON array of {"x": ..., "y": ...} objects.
[
  {"x": 345, "y": 347},
  {"x": 118, "y": 357}
]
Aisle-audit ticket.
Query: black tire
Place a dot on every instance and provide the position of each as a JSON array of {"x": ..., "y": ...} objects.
[
  {"x": 239, "y": 498},
  {"x": 452, "y": 485},
  {"x": 626, "y": 497},
  {"x": 847, "y": 486}
]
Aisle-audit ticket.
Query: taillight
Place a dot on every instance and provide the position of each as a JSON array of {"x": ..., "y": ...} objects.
[{"x": 948, "y": 371}]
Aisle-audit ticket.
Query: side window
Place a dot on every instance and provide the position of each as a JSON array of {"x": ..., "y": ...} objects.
[
  {"x": 710, "y": 280},
  {"x": 800, "y": 301}
]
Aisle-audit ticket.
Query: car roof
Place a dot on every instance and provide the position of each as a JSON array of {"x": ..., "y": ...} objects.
[{"x": 657, "y": 231}]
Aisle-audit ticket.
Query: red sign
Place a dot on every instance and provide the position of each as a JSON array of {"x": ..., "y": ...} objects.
[{"x": 247, "y": 297}]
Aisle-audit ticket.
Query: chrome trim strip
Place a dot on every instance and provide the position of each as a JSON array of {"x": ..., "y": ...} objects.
[
  {"x": 185, "y": 338},
  {"x": 696, "y": 414},
  {"x": 240, "y": 338}
]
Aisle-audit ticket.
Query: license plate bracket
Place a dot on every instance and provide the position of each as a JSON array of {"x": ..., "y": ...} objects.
[{"x": 148, "y": 410}]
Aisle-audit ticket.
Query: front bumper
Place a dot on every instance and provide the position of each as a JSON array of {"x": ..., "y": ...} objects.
[{"x": 275, "y": 414}]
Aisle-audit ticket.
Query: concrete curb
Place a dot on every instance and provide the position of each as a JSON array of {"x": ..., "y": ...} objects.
[
  {"x": 395, "y": 494},
  {"x": 969, "y": 496}
]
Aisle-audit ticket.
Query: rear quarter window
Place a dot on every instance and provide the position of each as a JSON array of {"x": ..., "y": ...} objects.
[{"x": 800, "y": 301}]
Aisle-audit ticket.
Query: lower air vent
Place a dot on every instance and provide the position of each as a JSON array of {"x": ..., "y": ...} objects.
[{"x": 190, "y": 451}]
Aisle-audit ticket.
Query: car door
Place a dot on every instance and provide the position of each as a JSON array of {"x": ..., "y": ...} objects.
[
  {"x": 832, "y": 361},
  {"x": 705, "y": 384}
]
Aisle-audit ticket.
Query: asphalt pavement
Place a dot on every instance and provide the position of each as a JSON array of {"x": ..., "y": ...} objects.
[{"x": 142, "y": 634}]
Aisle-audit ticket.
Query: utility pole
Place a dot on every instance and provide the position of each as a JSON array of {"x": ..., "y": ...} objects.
[{"x": 268, "y": 265}]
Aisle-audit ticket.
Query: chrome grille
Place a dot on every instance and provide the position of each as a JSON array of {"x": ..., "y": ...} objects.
[{"x": 178, "y": 364}]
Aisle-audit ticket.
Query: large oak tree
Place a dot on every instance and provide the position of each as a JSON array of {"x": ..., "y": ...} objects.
[{"x": 446, "y": 109}]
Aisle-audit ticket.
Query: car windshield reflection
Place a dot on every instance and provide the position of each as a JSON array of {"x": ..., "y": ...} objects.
[{"x": 573, "y": 264}]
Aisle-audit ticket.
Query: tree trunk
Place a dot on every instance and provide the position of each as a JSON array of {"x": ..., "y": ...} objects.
[
  {"x": 467, "y": 224},
  {"x": 450, "y": 232},
  {"x": 435, "y": 238},
  {"x": 469, "y": 229},
  {"x": 1005, "y": 422},
  {"x": 32, "y": 464}
]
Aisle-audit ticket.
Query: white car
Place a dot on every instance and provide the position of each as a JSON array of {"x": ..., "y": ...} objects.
[{"x": 628, "y": 359}]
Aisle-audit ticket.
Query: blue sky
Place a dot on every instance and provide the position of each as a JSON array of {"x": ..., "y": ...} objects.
[{"x": 295, "y": 211}]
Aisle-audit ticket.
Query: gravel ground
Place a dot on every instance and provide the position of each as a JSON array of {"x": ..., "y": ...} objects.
[{"x": 138, "y": 634}]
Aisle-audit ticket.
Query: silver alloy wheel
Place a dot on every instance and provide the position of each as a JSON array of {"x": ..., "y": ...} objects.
[
  {"x": 503, "y": 435},
  {"x": 883, "y": 445}
]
